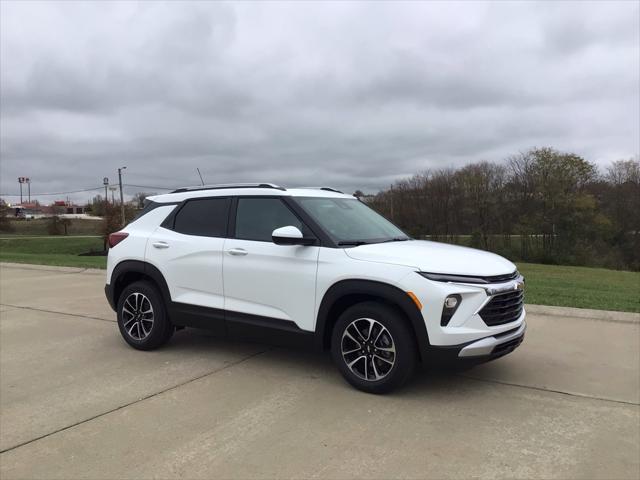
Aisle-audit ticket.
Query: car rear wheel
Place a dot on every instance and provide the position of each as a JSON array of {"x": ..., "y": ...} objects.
[
  {"x": 142, "y": 316},
  {"x": 373, "y": 347}
]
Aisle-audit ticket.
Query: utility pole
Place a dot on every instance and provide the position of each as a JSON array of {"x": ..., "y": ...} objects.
[
  {"x": 20, "y": 181},
  {"x": 29, "y": 188},
  {"x": 105, "y": 182},
  {"x": 121, "y": 195}
]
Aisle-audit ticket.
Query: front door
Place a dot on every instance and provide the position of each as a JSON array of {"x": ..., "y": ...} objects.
[{"x": 266, "y": 283}]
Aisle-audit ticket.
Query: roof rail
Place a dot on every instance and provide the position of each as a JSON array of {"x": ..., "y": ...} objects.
[
  {"x": 228, "y": 185},
  {"x": 328, "y": 189}
]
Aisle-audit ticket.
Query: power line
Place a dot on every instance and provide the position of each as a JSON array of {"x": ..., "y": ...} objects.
[
  {"x": 147, "y": 186},
  {"x": 53, "y": 193},
  {"x": 86, "y": 190}
]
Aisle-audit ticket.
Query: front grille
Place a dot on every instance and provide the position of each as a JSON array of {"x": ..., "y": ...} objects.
[
  {"x": 503, "y": 308},
  {"x": 501, "y": 278}
]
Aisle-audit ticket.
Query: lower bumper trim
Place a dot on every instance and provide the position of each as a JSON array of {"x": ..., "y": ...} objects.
[{"x": 497, "y": 345}]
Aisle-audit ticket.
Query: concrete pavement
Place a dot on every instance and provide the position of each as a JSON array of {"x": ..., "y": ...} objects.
[{"x": 77, "y": 402}]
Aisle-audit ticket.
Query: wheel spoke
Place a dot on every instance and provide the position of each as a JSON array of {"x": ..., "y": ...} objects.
[
  {"x": 350, "y": 365},
  {"x": 391, "y": 349},
  {"x": 371, "y": 324},
  {"x": 382, "y": 330},
  {"x": 375, "y": 370},
  {"x": 355, "y": 327},
  {"x": 130, "y": 331},
  {"x": 128, "y": 302},
  {"x": 366, "y": 369},
  {"x": 351, "y": 351},
  {"x": 383, "y": 359},
  {"x": 347, "y": 334},
  {"x": 128, "y": 322}
]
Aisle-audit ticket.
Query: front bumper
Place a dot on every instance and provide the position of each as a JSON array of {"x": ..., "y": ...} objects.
[
  {"x": 495, "y": 346},
  {"x": 478, "y": 351}
]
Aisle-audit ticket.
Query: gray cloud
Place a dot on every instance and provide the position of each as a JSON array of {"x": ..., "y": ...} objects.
[{"x": 352, "y": 95}]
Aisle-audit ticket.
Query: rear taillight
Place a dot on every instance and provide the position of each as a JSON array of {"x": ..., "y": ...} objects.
[{"x": 116, "y": 238}]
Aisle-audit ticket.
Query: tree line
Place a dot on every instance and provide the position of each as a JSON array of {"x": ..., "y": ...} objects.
[{"x": 541, "y": 206}]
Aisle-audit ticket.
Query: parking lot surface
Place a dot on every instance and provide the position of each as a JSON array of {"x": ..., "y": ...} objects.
[{"x": 77, "y": 402}]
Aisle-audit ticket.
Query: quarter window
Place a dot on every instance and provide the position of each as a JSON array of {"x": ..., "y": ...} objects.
[
  {"x": 257, "y": 218},
  {"x": 205, "y": 217}
]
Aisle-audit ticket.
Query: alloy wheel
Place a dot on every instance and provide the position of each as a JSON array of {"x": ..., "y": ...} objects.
[
  {"x": 137, "y": 316},
  {"x": 368, "y": 349}
]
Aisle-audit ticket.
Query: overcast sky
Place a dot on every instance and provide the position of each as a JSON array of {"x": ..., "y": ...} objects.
[{"x": 351, "y": 95}]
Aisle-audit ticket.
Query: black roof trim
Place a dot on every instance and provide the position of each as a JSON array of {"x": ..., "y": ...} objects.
[
  {"x": 228, "y": 186},
  {"x": 327, "y": 189}
]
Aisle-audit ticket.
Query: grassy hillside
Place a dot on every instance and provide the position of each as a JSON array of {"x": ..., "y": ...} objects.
[
  {"x": 59, "y": 250},
  {"x": 581, "y": 287},
  {"x": 38, "y": 226}
]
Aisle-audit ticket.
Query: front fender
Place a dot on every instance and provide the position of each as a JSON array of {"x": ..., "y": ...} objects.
[{"x": 377, "y": 290}]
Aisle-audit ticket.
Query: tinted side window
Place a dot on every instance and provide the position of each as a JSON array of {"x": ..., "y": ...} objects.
[
  {"x": 205, "y": 217},
  {"x": 257, "y": 218}
]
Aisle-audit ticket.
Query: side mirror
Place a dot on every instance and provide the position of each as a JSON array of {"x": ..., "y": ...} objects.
[{"x": 290, "y": 235}]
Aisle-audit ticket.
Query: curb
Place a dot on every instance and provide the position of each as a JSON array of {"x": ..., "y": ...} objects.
[
  {"x": 52, "y": 268},
  {"x": 606, "y": 315}
]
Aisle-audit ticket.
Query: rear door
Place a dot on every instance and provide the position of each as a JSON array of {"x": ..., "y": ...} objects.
[
  {"x": 188, "y": 250},
  {"x": 264, "y": 283}
]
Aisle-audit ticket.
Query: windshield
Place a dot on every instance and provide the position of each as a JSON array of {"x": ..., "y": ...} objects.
[{"x": 350, "y": 222}]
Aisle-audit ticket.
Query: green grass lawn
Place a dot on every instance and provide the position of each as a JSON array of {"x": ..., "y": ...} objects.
[
  {"x": 58, "y": 250},
  {"x": 580, "y": 287}
]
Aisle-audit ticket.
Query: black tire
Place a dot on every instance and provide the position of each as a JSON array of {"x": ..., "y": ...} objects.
[
  {"x": 381, "y": 377},
  {"x": 140, "y": 332}
]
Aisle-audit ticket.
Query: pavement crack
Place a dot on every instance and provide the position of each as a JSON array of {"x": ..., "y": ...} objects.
[
  {"x": 57, "y": 312},
  {"x": 550, "y": 390},
  {"x": 142, "y": 399}
]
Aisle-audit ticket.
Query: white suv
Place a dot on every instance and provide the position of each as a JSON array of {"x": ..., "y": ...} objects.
[{"x": 312, "y": 267}]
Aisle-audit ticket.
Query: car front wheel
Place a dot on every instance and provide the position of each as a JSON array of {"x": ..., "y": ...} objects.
[{"x": 373, "y": 347}]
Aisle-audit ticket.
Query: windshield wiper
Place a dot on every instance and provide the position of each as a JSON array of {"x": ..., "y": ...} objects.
[
  {"x": 352, "y": 243},
  {"x": 396, "y": 239}
]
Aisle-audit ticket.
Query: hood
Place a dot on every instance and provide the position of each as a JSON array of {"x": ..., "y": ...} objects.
[{"x": 434, "y": 257}]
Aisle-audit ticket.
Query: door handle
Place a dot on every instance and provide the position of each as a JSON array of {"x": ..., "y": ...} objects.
[
  {"x": 237, "y": 251},
  {"x": 160, "y": 244}
]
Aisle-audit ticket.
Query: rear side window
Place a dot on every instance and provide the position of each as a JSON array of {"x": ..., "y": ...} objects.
[
  {"x": 149, "y": 206},
  {"x": 257, "y": 218},
  {"x": 206, "y": 217}
]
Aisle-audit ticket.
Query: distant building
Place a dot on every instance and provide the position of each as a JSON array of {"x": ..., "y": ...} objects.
[
  {"x": 29, "y": 210},
  {"x": 69, "y": 208}
]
